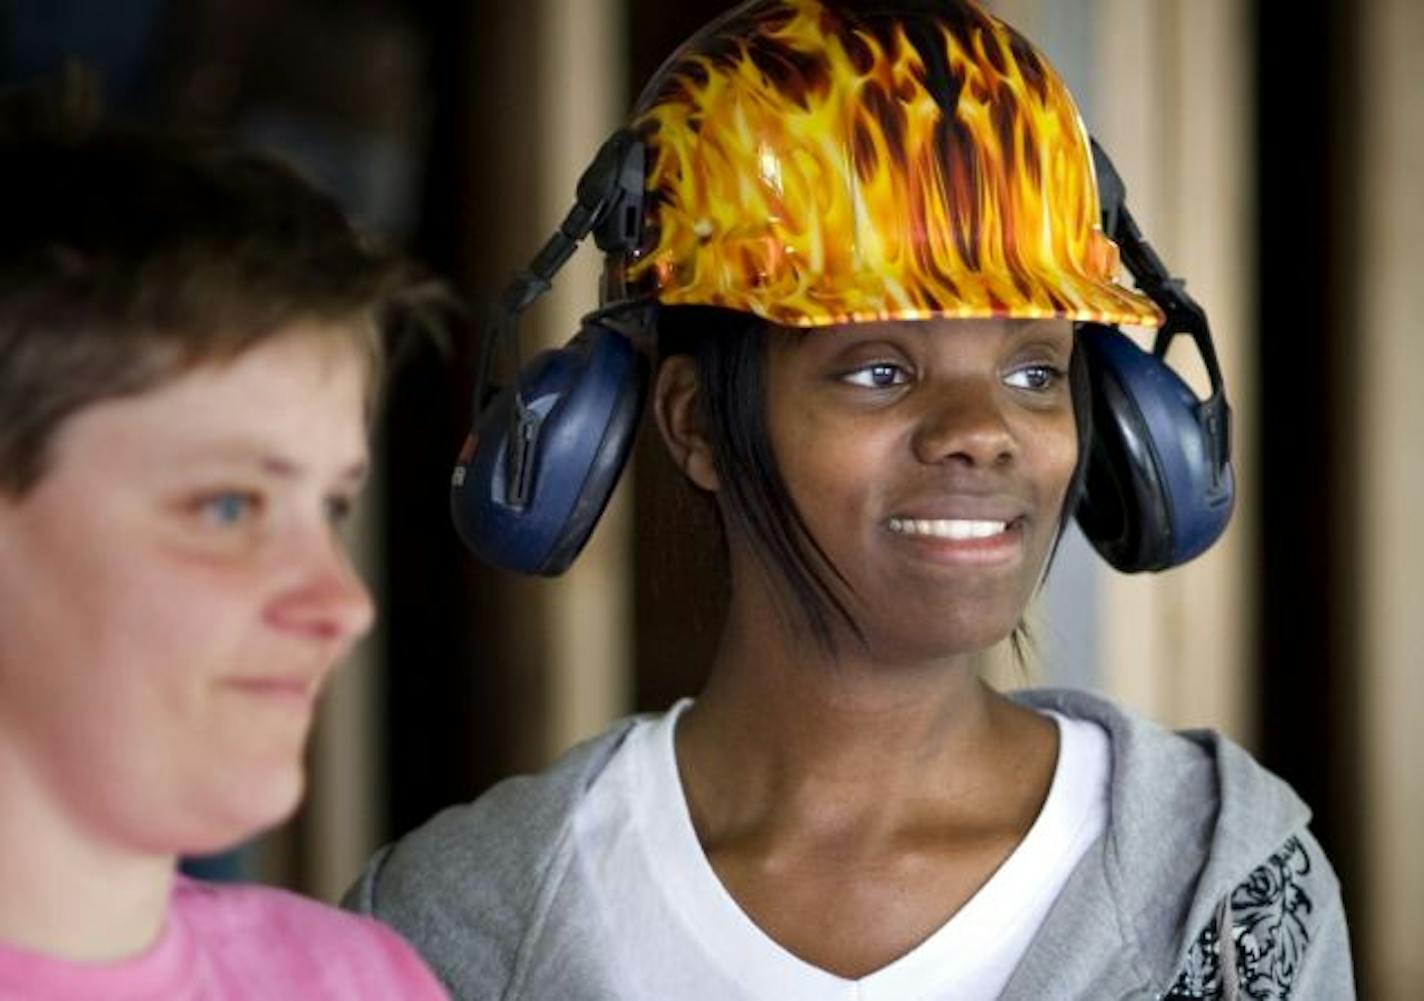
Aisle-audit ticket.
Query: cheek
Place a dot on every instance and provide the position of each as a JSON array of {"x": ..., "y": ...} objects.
[
  {"x": 125, "y": 720},
  {"x": 115, "y": 620},
  {"x": 130, "y": 656},
  {"x": 173, "y": 612},
  {"x": 828, "y": 466},
  {"x": 1052, "y": 455}
]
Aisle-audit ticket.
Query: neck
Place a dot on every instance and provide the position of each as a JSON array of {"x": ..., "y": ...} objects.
[
  {"x": 65, "y": 891},
  {"x": 784, "y": 727}
]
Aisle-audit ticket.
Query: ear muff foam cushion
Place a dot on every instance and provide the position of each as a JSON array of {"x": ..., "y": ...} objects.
[
  {"x": 588, "y": 397},
  {"x": 1123, "y": 511}
]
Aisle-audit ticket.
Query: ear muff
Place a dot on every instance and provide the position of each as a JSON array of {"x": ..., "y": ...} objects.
[
  {"x": 1159, "y": 487},
  {"x": 528, "y": 489},
  {"x": 544, "y": 454},
  {"x": 1156, "y": 494}
]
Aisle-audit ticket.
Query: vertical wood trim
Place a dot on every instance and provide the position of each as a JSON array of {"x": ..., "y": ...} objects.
[
  {"x": 588, "y": 612},
  {"x": 1391, "y": 464},
  {"x": 1212, "y": 239},
  {"x": 339, "y": 827},
  {"x": 346, "y": 778},
  {"x": 1136, "y": 653},
  {"x": 1171, "y": 111}
]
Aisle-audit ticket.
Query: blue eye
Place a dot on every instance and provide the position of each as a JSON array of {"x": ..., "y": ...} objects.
[
  {"x": 881, "y": 375},
  {"x": 1036, "y": 378},
  {"x": 231, "y": 507}
]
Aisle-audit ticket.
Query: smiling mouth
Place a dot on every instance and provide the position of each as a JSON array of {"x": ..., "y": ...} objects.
[
  {"x": 298, "y": 692},
  {"x": 953, "y": 529},
  {"x": 965, "y": 543}
]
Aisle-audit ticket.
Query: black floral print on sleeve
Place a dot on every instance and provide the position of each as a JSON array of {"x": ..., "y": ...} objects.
[{"x": 1269, "y": 935}]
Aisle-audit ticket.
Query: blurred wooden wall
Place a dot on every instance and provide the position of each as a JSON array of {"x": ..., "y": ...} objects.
[{"x": 1388, "y": 458}]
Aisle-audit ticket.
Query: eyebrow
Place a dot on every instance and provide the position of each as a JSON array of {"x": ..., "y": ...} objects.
[
  {"x": 1046, "y": 331},
  {"x": 288, "y": 470},
  {"x": 258, "y": 456},
  {"x": 1054, "y": 323}
]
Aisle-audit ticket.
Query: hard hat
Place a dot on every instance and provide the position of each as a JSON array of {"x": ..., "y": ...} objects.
[{"x": 816, "y": 162}]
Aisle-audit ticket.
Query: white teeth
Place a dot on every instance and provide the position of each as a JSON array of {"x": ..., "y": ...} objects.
[{"x": 948, "y": 528}]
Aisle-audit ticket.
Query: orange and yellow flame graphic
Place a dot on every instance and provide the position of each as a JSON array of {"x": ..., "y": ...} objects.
[{"x": 814, "y": 165}]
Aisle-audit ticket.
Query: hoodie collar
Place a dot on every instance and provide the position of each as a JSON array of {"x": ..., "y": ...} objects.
[{"x": 1190, "y": 815}]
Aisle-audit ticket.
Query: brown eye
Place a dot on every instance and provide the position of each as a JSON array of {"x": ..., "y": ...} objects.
[
  {"x": 881, "y": 375},
  {"x": 1035, "y": 378}
]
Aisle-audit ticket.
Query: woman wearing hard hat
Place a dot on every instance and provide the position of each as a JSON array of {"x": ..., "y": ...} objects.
[{"x": 879, "y": 262}]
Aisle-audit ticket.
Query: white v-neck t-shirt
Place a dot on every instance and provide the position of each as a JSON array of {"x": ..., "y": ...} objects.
[{"x": 674, "y": 933}]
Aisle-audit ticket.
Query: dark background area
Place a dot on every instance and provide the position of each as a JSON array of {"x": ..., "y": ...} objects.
[{"x": 1307, "y": 217}]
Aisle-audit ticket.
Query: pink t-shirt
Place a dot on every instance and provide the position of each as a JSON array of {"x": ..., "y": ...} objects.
[{"x": 237, "y": 943}]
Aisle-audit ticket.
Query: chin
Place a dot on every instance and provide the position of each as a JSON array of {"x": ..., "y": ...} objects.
[
  {"x": 937, "y": 635},
  {"x": 240, "y": 807},
  {"x": 927, "y": 650}
]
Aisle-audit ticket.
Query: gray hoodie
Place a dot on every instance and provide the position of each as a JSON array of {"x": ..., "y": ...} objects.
[{"x": 1206, "y": 883}]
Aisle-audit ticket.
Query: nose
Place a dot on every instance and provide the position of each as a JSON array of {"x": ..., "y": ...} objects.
[
  {"x": 963, "y": 422},
  {"x": 327, "y": 601}
]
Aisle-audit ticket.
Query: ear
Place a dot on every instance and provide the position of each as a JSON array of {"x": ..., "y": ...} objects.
[{"x": 677, "y": 405}]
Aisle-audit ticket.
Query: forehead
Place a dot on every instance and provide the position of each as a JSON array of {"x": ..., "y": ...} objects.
[
  {"x": 299, "y": 395},
  {"x": 947, "y": 326},
  {"x": 989, "y": 332}
]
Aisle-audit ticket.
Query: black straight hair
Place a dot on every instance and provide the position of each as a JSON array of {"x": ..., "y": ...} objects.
[{"x": 730, "y": 350}]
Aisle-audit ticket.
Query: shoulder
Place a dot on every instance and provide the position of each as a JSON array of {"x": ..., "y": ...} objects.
[
  {"x": 1191, "y": 804},
  {"x": 1201, "y": 839},
  {"x": 492, "y": 842},
  {"x": 1279, "y": 933},
  {"x": 1163, "y": 777},
  {"x": 468, "y": 886},
  {"x": 287, "y": 945},
  {"x": 1132, "y": 735}
]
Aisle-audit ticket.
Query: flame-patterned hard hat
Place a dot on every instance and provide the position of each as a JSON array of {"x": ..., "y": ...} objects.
[{"x": 830, "y": 161}]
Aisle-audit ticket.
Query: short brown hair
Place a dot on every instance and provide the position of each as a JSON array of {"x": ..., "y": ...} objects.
[{"x": 128, "y": 258}]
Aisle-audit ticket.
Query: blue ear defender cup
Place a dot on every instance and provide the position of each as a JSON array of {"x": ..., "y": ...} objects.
[
  {"x": 583, "y": 403},
  {"x": 546, "y": 451},
  {"x": 1155, "y": 496},
  {"x": 1159, "y": 487}
]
